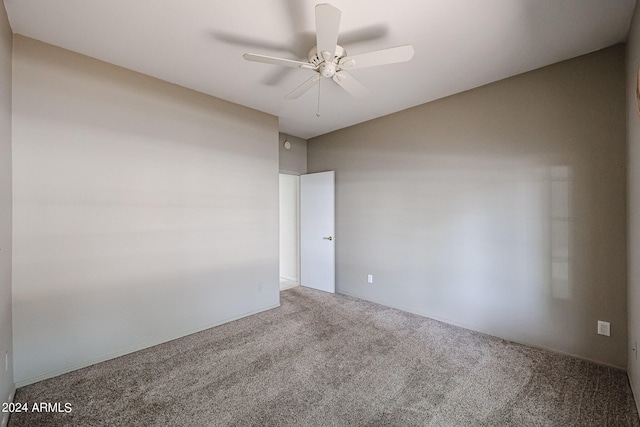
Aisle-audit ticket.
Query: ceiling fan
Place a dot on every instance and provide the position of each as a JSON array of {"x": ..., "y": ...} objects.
[{"x": 330, "y": 60}]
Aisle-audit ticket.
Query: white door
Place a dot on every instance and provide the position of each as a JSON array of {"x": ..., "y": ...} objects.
[{"x": 317, "y": 228}]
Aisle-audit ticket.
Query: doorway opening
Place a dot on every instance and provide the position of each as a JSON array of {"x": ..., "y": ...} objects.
[{"x": 289, "y": 231}]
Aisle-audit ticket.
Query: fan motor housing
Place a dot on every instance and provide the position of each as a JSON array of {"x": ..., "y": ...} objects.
[{"x": 317, "y": 59}]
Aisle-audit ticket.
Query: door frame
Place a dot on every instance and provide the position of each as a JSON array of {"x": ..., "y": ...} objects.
[{"x": 297, "y": 232}]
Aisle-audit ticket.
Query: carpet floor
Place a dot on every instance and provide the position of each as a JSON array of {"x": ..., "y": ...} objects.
[{"x": 331, "y": 360}]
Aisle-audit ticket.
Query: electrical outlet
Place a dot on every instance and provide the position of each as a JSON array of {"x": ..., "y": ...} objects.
[
  {"x": 604, "y": 328},
  {"x": 370, "y": 278},
  {"x": 259, "y": 287}
]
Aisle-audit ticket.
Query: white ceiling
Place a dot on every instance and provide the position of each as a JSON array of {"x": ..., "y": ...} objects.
[{"x": 459, "y": 45}]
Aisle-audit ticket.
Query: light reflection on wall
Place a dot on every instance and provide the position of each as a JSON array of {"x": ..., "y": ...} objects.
[{"x": 561, "y": 219}]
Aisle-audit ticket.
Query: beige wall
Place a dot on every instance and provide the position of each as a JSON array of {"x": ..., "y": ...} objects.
[
  {"x": 502, "y": 209},
  {"x": 143, "y": 211},
  {"x": 294, "y": 160},
  {"x": 6, "y": 376},
  {"x": 633, "y": 147}
]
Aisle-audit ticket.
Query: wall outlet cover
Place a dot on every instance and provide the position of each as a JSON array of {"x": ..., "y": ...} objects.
[{"x": 604, "y": 328}]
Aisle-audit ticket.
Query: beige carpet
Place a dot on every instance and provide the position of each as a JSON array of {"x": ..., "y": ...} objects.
[{"x": 332, "y": 360}]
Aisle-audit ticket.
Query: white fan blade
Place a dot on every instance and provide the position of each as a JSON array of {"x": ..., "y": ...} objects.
[
  {"x": 303, "y": 87},
  {"x": 378, "y": 57},
  {"x": 350, "y": 84},
  {"x": 327, "y": 27},
  {"x": 277, "y": 61}
]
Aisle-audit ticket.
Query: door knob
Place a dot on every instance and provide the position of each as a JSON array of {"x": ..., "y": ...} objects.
[{"x": 328, "y": 238}]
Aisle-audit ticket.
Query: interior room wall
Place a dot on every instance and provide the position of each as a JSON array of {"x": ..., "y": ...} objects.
[
  {"x": 633, "y": 147},
  {"x": 501, "y": 209},
  {"x": 143, "y": 211},
  {"x": 6, "y": 346},
  {"x": 294, "y": 160}
]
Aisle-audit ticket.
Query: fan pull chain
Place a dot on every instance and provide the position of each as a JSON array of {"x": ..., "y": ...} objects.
[{"x": 318, "y": 110}]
